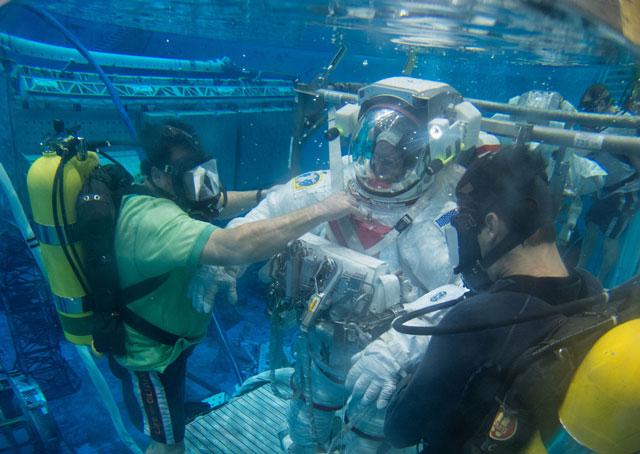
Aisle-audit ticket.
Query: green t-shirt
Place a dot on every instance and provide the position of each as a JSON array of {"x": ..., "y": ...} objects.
[{"x": 154, "y": 236}]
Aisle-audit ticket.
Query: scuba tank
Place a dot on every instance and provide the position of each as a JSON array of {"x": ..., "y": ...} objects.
[
  {"x": 53, "y": 183},
  {"x": 601, "y": 409}
]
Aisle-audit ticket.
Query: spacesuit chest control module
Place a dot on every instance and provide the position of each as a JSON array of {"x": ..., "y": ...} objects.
[{"x": 323, "y": 283}]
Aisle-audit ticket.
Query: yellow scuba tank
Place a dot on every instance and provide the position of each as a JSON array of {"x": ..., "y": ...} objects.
[
  {"x": 65, "y": 283},
  {"x": 601, "y": 409}
]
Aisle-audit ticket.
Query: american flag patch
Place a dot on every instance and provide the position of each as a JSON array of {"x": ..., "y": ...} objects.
[{"x": 445, "y": 219}]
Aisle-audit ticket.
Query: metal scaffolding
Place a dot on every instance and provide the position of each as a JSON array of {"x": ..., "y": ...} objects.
[
  {"x": 26, "y": 426},
  {"x": 48, "y": 82},
  {"x": 33, "y": 323}
]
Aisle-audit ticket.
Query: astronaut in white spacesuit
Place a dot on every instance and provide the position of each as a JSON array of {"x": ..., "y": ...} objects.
[{"x": 406, "y": 132}]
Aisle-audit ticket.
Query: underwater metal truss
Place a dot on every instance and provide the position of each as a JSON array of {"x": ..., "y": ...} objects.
[
  {"x": 26, "y": 426},
  {"x": 47, "y": 82},
  {"x": 31, "y": 317}
]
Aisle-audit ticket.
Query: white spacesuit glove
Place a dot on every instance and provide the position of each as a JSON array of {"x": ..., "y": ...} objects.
[
  {"x": 377, "y": 369},
  {"x": 374, "y": 375},
  {"x": 207, "y": 282}
]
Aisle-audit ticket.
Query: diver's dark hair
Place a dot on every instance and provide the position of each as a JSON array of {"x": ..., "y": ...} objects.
[
  {"x": 158, "y": 138},
  {"x": 631, "y": 103},
  {"x": 592, "y": 96},
  {"x": 513, "y": 184}
]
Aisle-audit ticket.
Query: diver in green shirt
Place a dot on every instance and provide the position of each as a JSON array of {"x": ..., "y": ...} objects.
[{"x": 167, "y": 233}]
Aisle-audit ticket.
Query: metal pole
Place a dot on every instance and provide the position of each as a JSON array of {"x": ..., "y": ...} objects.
[
  {"x": 619, "y": 121},
  {"x": 564, "y": 137},
  {"x": 556, "y": 136},
  {"x": 65, "y": 54},
  {"x": 591, "y": 119},
  {"x": 336, "y": 97}
]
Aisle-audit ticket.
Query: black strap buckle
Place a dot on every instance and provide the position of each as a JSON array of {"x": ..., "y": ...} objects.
[{"x": 404, "y": 222}]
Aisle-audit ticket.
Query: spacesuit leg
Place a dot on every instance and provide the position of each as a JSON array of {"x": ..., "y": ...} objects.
[
  {"x": 367, "y": 431},
  {"x": 311, "y": 425}
]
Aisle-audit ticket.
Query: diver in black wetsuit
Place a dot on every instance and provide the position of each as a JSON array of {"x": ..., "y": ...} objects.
[
  {"x": 612, "y": 208},
  {"x": 506, "y": 238}
]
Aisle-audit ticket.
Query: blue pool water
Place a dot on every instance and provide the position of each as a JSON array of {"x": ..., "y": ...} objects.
[{"x": 492, "y": 50}]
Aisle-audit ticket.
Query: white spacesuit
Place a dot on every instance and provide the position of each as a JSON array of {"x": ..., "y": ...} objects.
[
  {"x": 344, "y": 283},
  {"x": 572, "y": 174}
]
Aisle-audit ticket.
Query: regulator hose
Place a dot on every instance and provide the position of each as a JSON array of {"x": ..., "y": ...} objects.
[
  {"x": 616, "y": 298},
  {"x": 85, "y": 53}
]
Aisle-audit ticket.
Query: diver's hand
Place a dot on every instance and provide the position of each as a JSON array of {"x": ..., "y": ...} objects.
[
  {"x": 338, "y": 205},
  {"x": 207, "y": 282},
  {"x": 373, "y": 376}
]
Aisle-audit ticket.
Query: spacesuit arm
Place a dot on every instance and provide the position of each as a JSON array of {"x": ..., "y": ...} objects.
[
  {"x": 255, "y": 241},
  {"x": 377, "y": 369},
  {"x": 279, "y": 200},
  {"x": 284, "y": 199}
]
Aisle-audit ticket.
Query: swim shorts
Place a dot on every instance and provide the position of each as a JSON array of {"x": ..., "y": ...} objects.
[{"x": 161, "y": 397}]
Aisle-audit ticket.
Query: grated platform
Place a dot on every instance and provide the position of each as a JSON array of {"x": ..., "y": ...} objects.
[{"x": 246, "y": 424}]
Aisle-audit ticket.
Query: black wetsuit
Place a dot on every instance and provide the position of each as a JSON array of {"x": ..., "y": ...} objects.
[{"x": 441, "y": 404}]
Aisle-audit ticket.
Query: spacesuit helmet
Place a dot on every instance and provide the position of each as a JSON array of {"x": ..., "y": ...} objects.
[
  {"x": 390, "y": 153},
  {"x": 547, "y": 100},
  {"x": 406, "y": 130}
]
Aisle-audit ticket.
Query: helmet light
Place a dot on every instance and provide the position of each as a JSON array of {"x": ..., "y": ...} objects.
[{"x": 437, "y": 128}]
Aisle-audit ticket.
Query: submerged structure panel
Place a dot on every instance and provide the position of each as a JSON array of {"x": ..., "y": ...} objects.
[
  {"x": 248, "y": 423},
  {"x": 237, "y": 118},
  {"x": 251, "y": 145}
]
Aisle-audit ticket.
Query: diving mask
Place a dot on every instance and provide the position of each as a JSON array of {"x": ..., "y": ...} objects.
[
  {"x": 202, "y": 190},
  {"x": 202, "y": 183}
]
